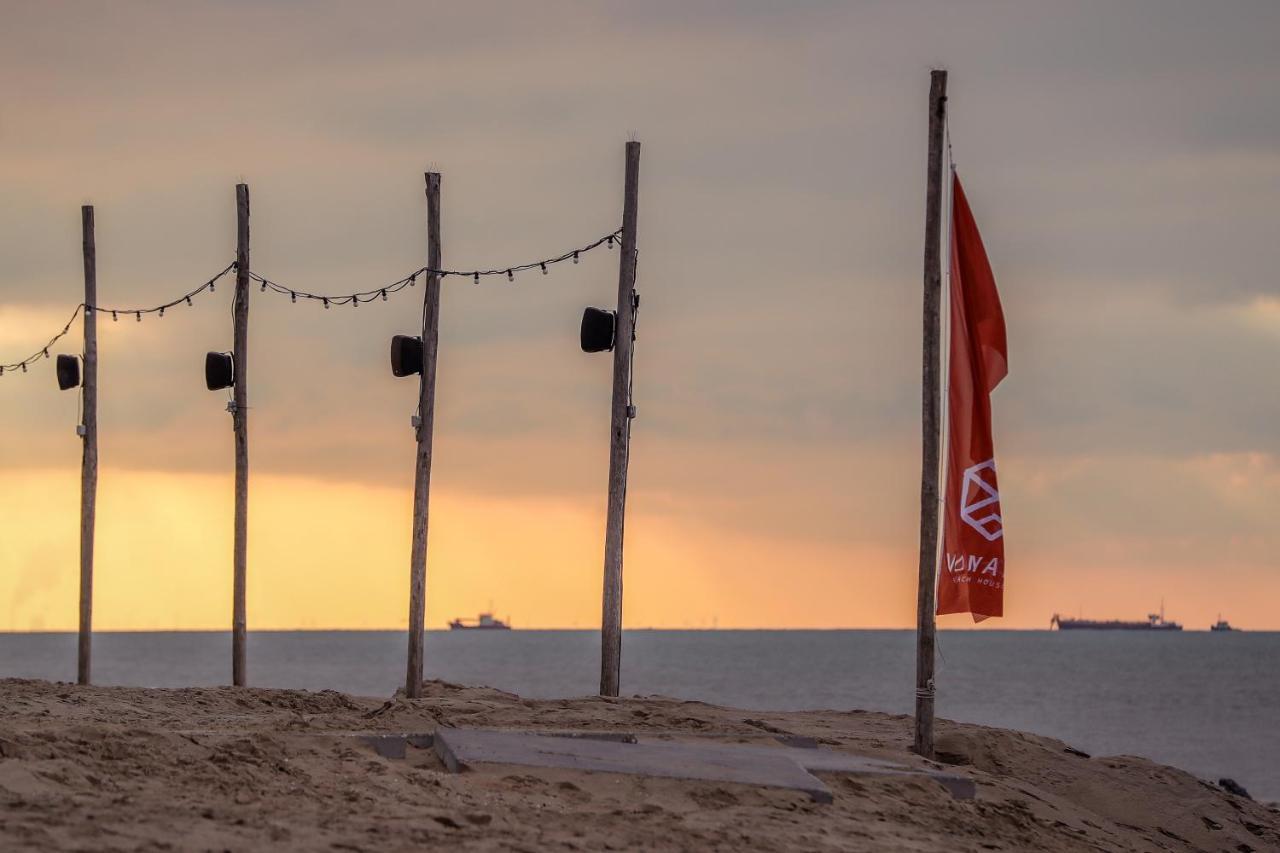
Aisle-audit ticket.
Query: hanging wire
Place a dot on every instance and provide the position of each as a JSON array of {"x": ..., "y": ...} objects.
[
  {"x": 354, "y": 299},
  {"x": 115, "y": 313},
  {"x": 43, "y": 352},
  {"x": 631, "y": 380}
]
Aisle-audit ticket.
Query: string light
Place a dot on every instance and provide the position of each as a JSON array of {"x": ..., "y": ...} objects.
[
  {"x": 411, "y": 280},
  {"x": 43, "y": 352},
  {"x": 355, "y": 299}
]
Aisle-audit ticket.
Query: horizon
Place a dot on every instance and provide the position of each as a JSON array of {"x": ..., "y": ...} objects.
[{"x": 564, "y": 628}]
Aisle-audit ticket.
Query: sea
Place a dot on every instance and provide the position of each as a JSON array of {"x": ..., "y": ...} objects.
[{"x": 1206, "y": 702}]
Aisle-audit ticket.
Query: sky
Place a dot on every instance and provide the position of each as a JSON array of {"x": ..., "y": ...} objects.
[{"x": 1122, "y": 160}]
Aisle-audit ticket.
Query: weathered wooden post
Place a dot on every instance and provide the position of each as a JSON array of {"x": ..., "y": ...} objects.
[
  {"x": 424, "y": 424},
  {"x": 930, "y": 421},
  {"x": 240, "y": 423},
  {"x": 620, "y": 433},
  {"x": 89, "y": 432}
]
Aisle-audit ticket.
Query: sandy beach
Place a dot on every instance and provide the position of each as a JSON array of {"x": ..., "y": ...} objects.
[{"x": 227, "y": 769}]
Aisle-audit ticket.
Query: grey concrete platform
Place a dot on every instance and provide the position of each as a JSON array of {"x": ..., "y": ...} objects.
[{"x": 766, "y": 766}]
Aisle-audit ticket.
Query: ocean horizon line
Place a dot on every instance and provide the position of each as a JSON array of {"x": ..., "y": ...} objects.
[{"x": 650, "y": 629}]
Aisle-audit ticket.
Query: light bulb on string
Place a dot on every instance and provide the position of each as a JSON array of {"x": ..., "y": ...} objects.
[
  {"x": 477, "y": 277},
  {"x": 114, "y": 318},
  {"x": 326, "y": 303},
  {"x": 293, "y": 297},
  {"x": 188, "y": 300},
  {"x": 575, "y": 257},
  {"x": 544, "y": 267},
  {"x": 139, "y": 313},
  {"x": 384, "y": 294},
  {"x": 510, "y": 276}
]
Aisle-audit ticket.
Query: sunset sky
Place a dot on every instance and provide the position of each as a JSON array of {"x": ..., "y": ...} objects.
[{"x": 1122, "y": 160}]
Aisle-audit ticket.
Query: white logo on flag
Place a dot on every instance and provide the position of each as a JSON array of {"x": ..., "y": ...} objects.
[{"x": 983, "y": 495}]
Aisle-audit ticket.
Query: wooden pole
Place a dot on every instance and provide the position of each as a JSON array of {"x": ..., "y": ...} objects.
[
  {"x": 620, "y": 433},
  {"x": 425, "y": 425},
  {"x": 930, "y": 421},
  {"x": 240, "y": 422},
  {"x": 89, "y": 459}
]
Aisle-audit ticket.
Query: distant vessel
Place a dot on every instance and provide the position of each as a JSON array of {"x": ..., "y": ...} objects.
[
  {"x": 484, "y": 622},
  {"x": 1222, "y": 625},
  {"x": 1155, "y": 622}
]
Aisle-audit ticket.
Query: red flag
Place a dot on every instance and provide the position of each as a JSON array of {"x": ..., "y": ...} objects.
[{"x": 971, "y": 572}]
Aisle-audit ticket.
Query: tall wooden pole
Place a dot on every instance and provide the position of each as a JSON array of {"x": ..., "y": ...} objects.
[
  {"x": 620, "y": 433},
  {"x": 425, "y": 424},
  {"x": 240, "y": 422},
  {"x": 930, "y": 421},
  {"x": 89, "y": 459}
]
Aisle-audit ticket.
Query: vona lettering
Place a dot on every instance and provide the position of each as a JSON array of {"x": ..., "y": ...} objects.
[{"x": 973, "y": 564}]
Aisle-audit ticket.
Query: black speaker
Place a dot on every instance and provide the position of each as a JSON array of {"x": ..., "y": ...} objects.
[
  {"x": 406, "y": 355},
  {"x": 598, "y": 329},
  {"x": 219, "y": 370},
  {"x": 68, "y": 368}
]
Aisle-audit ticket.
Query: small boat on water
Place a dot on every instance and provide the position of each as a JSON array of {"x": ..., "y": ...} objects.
[
  {"x": 484, "y": 622},
  {"x": 1155, "y": 622},
  {"x": 1222, "y": 625}
]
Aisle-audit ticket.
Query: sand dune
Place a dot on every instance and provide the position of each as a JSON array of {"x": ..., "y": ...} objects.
[{"x": 129, "y": 768}]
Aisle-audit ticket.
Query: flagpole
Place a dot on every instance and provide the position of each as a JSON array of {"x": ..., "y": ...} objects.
[{"x": 930, "y": 421}]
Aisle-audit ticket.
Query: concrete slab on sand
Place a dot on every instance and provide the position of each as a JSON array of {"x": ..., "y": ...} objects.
[{"x": 772, "y": 767}]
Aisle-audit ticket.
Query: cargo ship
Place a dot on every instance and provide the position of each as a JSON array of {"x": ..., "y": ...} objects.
[
  {"x": 1155, "y": 622},
  {"x": 1222, "y": 625},
  {"x": 484, "y": 622}
]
